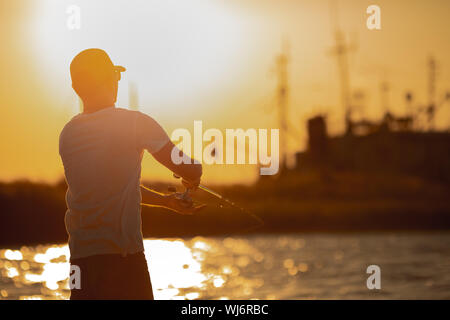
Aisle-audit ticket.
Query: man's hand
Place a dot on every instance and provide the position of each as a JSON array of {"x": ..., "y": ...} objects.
[
  {"x": 191, "y": 171},
  {"x": 175, "y": 203},
  {"x": 191, "y": 185}
]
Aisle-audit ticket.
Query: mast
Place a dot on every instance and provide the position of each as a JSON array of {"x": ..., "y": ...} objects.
[{"x": 282, "y": 62}]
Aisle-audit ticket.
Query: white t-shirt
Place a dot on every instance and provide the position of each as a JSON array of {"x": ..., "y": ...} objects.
[{"x": 102, "y": 154}]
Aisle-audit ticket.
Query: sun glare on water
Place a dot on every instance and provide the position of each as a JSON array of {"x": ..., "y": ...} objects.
[{"x": 177, "y": 270}]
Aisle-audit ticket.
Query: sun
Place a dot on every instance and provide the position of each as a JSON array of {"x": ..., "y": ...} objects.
[{"x": 173, "y": 50}]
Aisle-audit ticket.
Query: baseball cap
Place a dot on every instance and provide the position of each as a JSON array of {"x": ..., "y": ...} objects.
[{"x": 92, "y": 67}]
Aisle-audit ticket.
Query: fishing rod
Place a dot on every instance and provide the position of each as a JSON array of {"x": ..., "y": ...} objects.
[{"x": 186, "y": 197}]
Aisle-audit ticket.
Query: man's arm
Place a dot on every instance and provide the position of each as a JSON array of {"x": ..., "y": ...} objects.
[
  {"x": 152, "y": 137},
  {"x": 191, "y": 173}
]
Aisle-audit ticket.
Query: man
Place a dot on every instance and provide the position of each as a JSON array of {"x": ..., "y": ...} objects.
[{"x": 101, "y": 150}]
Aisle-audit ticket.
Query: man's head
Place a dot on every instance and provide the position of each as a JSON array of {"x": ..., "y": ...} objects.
[{"x": 95, "y": 78}]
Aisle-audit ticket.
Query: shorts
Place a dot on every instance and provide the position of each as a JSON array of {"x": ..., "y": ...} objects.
[{"x": 113, "y": 277}]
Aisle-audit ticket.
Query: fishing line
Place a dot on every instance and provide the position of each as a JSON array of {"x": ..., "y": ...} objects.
[
  {"x": 234, "y": 205},
  {"x": 229, "y": 202}
]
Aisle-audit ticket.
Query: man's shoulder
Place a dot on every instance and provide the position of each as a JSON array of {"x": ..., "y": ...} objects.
[
  {"x": 67, "y": 126},
  {"x": 123, "y": 112},
  {"x": 142, "y": 118},
  {"x": 130, "y": 112}
]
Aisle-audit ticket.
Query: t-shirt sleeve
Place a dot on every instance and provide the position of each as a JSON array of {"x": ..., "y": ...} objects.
[{"x": 149, "y": 134}]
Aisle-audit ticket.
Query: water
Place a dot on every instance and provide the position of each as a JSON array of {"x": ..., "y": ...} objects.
[{"x": 311, "y": 266}]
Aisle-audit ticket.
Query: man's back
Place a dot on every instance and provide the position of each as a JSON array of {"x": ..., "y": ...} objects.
[{"x": 102, "y": 154}]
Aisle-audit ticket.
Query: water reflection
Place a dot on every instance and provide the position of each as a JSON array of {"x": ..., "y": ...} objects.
[
  {"x": 262, "y": 267},
  {"x": 173, "y": 269},
  {"x": 176, "y": 267}
]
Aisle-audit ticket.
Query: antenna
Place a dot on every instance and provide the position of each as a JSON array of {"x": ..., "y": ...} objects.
[
  {"x": 133, "y": 96},
  {"x": 431, "y": 92},
  {"x": 409, "y": 98},
  {"x": 341, "y": 50},
  {"x": 80, "y": 104},
  {"x": 384, "y": 91},
  {"x": 282, "y": 61}
]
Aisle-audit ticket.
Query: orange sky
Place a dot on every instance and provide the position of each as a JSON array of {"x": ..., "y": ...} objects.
[{"x": 207, "y": 60}]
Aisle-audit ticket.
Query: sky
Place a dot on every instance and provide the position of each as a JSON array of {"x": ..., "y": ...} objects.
[{"x": 209, "y": 60}]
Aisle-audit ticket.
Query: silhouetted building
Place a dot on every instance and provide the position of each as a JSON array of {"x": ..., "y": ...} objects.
[
  {"x": 318, "y": 140},
  {"x": 388, "y": 147}
]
